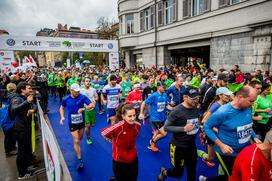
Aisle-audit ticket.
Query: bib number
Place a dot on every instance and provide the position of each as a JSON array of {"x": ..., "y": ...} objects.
[
  {"x": 160, "y": 106},
  {"x": 113, "y": 98},
  {"x": 244, "y": 133},
  {"x": 195, "y": 123},
  {"x": 76, "y": 118}
]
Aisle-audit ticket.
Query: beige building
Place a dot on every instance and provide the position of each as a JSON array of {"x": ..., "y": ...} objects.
[{"x": 219, "y": 32}]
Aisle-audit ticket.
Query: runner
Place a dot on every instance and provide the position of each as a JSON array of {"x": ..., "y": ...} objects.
[
  {"x": 175, "y": 93},
  {"x": 123, "y": 136},
  {"x": 254, "y": 163},
  {"x": 158, "y": 102},
  {"x": 135, "y": 98},
  {"x": 126, "y": 85},
  {"x": 222, "y": 97},
  {"x": 89, "y": 115},
  {"x": 113, "y": 92},
  {"x": 234, "y": 124},
  {"x": 183, "y": 123},
  {"x": 74, "y": 104}
]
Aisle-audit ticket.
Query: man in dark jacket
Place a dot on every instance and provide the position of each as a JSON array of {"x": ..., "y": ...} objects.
[{"x": 22, "y": 107}]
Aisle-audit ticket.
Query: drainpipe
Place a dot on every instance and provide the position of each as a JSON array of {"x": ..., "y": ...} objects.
[{"x": 156, "y": 36}]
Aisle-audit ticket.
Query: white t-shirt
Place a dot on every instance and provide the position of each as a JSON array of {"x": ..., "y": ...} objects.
[{"x": 90, "y": 93}]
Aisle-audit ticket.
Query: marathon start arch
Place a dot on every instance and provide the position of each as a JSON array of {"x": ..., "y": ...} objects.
[{"x": 39, "y": 43}]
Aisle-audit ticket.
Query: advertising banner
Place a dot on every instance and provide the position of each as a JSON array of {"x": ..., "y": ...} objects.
[
  {"x": 57, "y": 44},
  {"x": 7, "y": 61},
  {"x": 114, "y": 61},
  {"x": 50, "y": 149}
]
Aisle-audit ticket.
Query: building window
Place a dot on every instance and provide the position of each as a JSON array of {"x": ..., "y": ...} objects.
[
  {"x": 160, "y": 13},
  {"x": 147, "y": 19},
  {"x": 169, "y": 11},
  {"x": 201, "y": 6},
  {"x": 223, "y": 3},
  {"x": 235, "y": 1},
  {"x": 129, "y": 24}
]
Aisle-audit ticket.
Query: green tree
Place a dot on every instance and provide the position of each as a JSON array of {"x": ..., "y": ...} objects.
[{"x": 104, "y": 29}]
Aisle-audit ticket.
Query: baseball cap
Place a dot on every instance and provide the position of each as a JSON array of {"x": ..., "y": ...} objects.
[
  {"x": 222, "y": 77},
  {"x": 159, "y": 83},
  {"x": 75, "y": 87},
  {"x": 191, "y": 92},
  {"x": 223, "y": 90},
  {"x": 113, "y": 77}
]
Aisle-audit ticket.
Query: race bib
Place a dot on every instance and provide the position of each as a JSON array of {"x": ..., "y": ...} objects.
[
  {"x": 195, "y": 123},
  {"x": 76, "y": 118},
  {"x": 127, "y": 90},
  {"x": 113, "y": 98},
  {"x": 244, "y": 133},
  {"x": 160, "y": 106}
]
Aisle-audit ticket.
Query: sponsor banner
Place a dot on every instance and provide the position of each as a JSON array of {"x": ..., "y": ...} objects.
[
  {"x": 57, "y": 44},
  {"x": 7, "y": 61},
  {"x": 51, "y": 152},
  {"x": 114, "y": 61}
]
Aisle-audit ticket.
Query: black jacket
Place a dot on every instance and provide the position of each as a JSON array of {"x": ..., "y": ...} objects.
[{"x": 19, "y": 108}]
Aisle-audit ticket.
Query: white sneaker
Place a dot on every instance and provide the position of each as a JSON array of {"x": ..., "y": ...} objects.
[{"x": 202, "y": 178}]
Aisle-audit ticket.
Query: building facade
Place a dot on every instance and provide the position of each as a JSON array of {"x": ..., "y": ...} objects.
[{"x": 220, "y": 33}]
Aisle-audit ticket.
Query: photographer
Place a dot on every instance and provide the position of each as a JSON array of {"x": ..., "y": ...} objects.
[{"x": 22, "y": 107}]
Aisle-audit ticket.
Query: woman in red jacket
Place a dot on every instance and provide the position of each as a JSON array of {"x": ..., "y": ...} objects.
[
  {"x": 123, "y": 136},
  {"x": 135, "y": 99}
]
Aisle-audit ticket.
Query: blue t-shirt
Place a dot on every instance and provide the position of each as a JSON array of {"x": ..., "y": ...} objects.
[
  {"x": 234, "y": 127},
  {"x": 214, "y": 107},
  {"x": 175, "y": 95},
  {"x": 73, "y": 105},
  {"x": 158, "y": 103}
]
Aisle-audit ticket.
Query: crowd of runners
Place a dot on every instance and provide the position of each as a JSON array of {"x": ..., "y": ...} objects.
[{"x": 228, "y": 110}]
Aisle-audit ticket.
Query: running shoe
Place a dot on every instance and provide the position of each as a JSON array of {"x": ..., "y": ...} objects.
[
  {"x": 89, "y": 141},
  {"x": 80, "y": 165},
  {"x": 162, "y": 175},
  {"x": 152, "y": 146},
  {"x": 202, "y": 178},
  {"x": 25, "y": 176}
]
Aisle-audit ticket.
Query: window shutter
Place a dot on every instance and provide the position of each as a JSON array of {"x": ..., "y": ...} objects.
[
  {"x": 160, "y": 13},
  {"x": 174, "y": 10},
  {"x": 223, "y": 3},
  {"x": 186, "y": 8},
  {"x": 207, "y": 5},
  {"x": 152, "y": 10},
  {"x": 142, "y": 21}
]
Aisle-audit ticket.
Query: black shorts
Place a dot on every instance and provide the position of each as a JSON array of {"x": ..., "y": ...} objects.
[
  {"x": 157, "y": 125},
  {"x": 75, "y": 127}
]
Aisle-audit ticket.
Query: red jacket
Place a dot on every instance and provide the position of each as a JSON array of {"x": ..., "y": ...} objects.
[
  {"x": 251, "y": 164},
  {"x": 134, "y": 96},
  {"x": 123, "y": 136}
]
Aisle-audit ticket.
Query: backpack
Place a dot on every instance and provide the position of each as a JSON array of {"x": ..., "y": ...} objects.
[{"x": 6, "y": 122}]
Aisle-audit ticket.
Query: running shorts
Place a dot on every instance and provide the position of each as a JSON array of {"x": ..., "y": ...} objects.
[
  {"x": 89, "y": 116},
  {"x": 75, "y": 127}
]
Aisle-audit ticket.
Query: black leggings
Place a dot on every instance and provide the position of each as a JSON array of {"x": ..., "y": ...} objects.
[
  {"x": 125, "y": 171},
  {"x": 61, "y": 91},
  {"x": 9, "y": 141},
  {"x": 229, "y": 162},
  {"x": 181, "y": 157},
  {"x": 261, "y": 129}
]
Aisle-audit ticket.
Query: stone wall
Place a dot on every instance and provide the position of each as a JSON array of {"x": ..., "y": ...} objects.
[{"x": 251, "y": 50}]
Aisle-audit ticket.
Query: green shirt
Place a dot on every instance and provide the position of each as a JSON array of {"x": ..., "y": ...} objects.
[
  {"x": 71, "y": 81},
  {"x": 262, "y": 104},
  {"x": 126, "y": 88},
  {"x": 195, "y": 83},
  {"x": 60, "y": 82}
]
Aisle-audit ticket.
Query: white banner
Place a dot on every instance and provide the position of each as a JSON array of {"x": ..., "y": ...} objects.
[
  {"x": 68, "y": 62},
  {"x": 57, "y": 44},
  {"x": 114, "y": 61},
  {"x": 7, "y": 61},
  {"x": 51, "y": 153}
]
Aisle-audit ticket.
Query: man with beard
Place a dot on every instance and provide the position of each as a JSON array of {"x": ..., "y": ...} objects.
[{"x": 183, "y": 123}]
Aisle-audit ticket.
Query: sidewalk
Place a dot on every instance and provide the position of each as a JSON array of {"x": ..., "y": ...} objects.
[{"x": 8, "y": 169}]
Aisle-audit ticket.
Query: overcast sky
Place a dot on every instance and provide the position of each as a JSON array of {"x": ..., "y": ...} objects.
[{"x": 26, "y": 17}]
